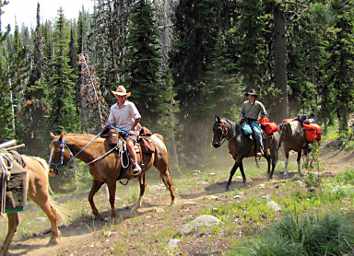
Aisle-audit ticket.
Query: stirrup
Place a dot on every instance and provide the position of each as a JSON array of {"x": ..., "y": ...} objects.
[{"x": 136, "y": 171}]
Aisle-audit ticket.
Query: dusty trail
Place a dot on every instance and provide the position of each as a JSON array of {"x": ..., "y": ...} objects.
[{"x": 85, "y": 236}]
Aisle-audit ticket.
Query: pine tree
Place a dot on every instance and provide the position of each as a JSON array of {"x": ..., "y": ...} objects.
[
  {"x": 17, "y": 76},
  {"x": 61, "y": 83},
  {"x": 6, "y": 106},
  {"x": 143, "y": 61},
  {"x": 340, "y": 66},
  {"x": 37, "y": 65}
]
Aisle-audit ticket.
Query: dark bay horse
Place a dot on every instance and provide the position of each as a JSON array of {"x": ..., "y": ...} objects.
[
  {"x": 240, "y": 146},
  {"x": 38, "y": 191},
  {"x": 107, "y": 170}
]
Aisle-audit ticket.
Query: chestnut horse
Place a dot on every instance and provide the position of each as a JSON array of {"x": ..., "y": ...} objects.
[
  {"x": 107, "y": 170},
  {"x": 241, "y": 146},
  {"x": 38, "y": 191}
]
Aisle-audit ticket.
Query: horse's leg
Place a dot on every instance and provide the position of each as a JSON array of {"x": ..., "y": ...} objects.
[
  {"x": 96, "y": 185},
  {"x": 13, "y": 221},
  {"x": 298, "y": 160},
  {"x": 142, "y": 183},
  {"x": 167, "y": 180},
  {"x": 268, "y": 158},
  {"x": 161, "y": 164},
  {"x": 286, "y": 162},
  {"x": 242, "y": 172},
  {"x": 112, "y": 197},
  {"x": 53, "y": 218},
  {"x": 274, "y": 160},
  {"x": 232, "y": 172}
]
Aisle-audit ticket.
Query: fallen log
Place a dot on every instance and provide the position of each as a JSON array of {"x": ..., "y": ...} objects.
[{"x": 7, "y": 144}]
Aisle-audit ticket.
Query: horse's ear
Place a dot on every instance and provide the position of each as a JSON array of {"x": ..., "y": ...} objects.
[{"x": 217, "y": 118}]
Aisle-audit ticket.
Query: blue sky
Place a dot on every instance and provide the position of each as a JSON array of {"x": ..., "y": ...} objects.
[{"x": 24, "y": 11}]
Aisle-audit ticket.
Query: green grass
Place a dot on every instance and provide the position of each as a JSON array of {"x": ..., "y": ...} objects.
[{"x": 306, "y": 235}]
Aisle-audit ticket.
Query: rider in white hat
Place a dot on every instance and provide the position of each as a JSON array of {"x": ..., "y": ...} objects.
[{"x": 125, "y": 115}]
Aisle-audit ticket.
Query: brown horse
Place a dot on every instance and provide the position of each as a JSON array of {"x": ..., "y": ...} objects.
[
  {"x": 38, "y": 191},
  {"x": 241, "y": 146},
  {"x": 292, "y": 138},
  {"x": 107, "y": 170}
]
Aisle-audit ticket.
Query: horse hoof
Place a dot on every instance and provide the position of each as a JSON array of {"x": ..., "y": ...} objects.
[
  {"x": 53, "y": 241},
  {"x": 2, "y": 252},
  {"x": 98, "y": 217}
]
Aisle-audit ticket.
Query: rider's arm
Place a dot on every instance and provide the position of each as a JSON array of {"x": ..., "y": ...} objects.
[
  {"x": 137, "y": 121},
  {"x": 135, "y": 115},
  {"x": 263, "y": 110},
  {"x": 110, "y": 120},
  {"x": 242, "y": 114}
]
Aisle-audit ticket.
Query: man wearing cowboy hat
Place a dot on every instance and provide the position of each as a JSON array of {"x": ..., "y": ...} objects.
[
  {"x": 251, "y": 109},
  {"x": 125, "y": 115}
]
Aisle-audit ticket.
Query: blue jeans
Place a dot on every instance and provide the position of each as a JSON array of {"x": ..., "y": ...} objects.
[{"x": 257, "y": 131}]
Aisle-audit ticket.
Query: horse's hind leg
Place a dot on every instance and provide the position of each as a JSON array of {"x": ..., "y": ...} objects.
[
  {"x": 96, "y": 185},
  {"x": 232, "y": 172},
  {"x": 286, "y": 162},
  {"x": 274, "y": 160},
  {"x": 167, "y": 180},
  {"x": 13, "y": 221},
  {"x": 299, "y": 162}
]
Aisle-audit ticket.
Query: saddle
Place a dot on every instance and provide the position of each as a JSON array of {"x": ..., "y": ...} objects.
[{"x": 143, "y": 146}]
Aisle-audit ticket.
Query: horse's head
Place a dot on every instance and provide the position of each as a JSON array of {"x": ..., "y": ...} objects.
[
  {"x": 221, "y": 130},
  {"x": 60, "y": 153}
]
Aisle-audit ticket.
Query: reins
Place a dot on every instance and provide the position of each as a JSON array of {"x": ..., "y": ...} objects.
[{"x": 63, "y": 145}]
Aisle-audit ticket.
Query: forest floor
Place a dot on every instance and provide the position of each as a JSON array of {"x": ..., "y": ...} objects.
[{"x": 243, "y": 211}]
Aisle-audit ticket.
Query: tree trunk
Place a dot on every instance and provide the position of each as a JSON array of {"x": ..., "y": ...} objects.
[
  {"x": 279, "y": 49},
  {"x": 343, "y": 114}
]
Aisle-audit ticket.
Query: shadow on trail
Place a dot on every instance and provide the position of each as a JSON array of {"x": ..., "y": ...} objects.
[
  {"x": 220, "y": 187},
  {"x": 80, "y": 226}
]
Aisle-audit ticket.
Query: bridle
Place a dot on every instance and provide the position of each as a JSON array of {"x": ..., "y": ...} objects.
[
  {"x": 225, "y": 131},
  {"x": 72, "y": 156},
  {"x": 60, "y": 163}
]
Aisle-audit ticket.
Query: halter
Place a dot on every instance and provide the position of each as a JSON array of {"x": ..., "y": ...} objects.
[
  {"x": 225, "y": 131},
  {"x": 62, "y": 146}
]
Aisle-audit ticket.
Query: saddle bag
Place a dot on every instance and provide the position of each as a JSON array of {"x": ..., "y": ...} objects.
[
  {"x": 312, "y": 132},
  {"x": 13, "y": 187},
  {"x": 267, "y": 126}
]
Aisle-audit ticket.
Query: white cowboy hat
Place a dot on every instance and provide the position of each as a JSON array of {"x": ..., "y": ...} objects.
[{"x": 121, "y": 91}]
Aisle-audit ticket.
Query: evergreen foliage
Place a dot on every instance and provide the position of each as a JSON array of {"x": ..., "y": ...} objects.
[{"x": 61, "y": 83}]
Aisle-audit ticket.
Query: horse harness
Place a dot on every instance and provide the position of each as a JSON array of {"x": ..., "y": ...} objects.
[{"x": 143, "y": 147}]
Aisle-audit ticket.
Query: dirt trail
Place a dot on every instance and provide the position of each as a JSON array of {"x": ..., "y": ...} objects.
[{"x": 88, "y": 237}]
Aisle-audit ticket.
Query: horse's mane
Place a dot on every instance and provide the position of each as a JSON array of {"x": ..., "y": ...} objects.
[
  {"x": 85, "y": 136},
  {"x": 233, "y": 124}
]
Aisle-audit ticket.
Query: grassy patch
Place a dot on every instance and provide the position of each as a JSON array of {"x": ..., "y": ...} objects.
[{"x": 309, "y": 235}]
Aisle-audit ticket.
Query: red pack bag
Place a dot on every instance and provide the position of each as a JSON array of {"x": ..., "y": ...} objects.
[
  {"x": 312, "y": 132},
  {"x": 267, "y": 126}
]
